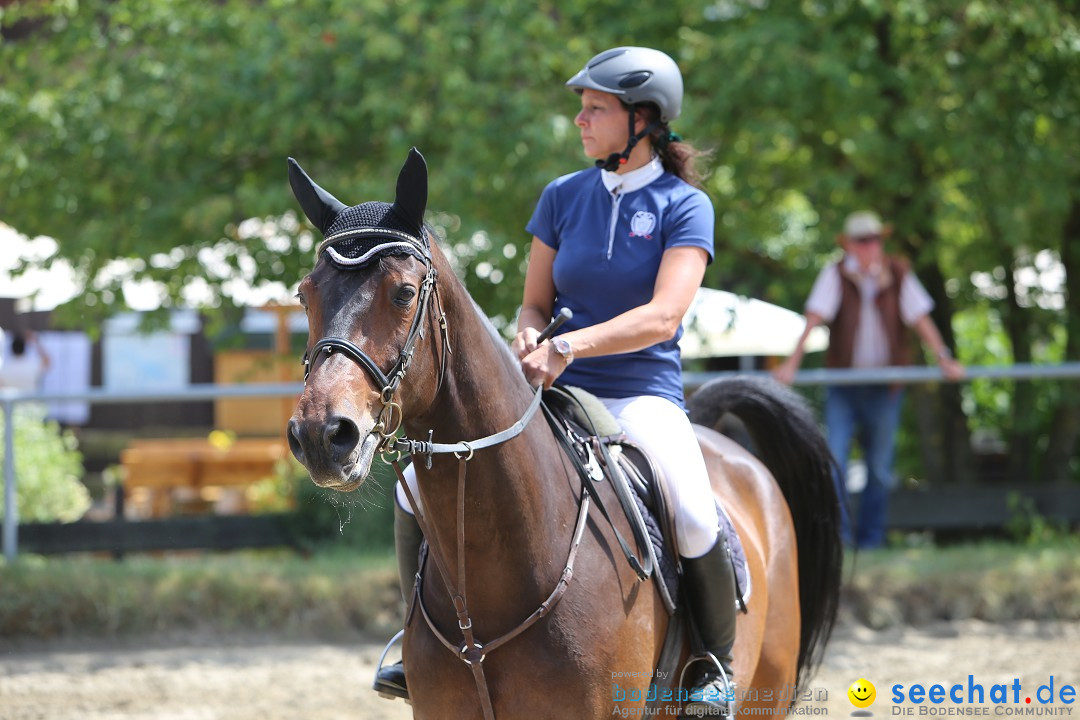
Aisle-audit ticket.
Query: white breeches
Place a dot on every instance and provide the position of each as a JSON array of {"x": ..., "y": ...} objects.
[{"x": 662, "y": 429}]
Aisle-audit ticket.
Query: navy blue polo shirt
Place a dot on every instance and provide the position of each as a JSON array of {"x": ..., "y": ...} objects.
[{"x": 604, "y": 268}]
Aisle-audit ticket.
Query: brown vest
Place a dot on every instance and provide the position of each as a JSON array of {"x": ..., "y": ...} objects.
[{"x": 842, "y": 328}]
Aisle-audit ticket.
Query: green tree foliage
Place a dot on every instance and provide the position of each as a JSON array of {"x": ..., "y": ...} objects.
[
  {"x": 150, "y": 130},
  {"x": 930, "y": 113},
  {"x": 154, "y": 131},
  {"x": 48, "y": 466}
]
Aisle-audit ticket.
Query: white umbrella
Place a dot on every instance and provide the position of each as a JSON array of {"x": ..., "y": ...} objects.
[{"x": 721, "y": 324}]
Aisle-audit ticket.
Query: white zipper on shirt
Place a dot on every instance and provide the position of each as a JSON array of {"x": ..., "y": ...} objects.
[{"x": 616, "y": 200}]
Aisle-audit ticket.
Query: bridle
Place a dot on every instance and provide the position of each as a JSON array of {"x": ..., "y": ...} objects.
[
  {"x": 471, "y": 651},
  {"x": 391, "y": 417}
]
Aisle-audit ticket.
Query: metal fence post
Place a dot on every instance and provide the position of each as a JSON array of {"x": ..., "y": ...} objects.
[{"x": 11, "y": 508}]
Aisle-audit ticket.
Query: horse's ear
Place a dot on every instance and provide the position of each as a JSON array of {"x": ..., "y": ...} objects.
[
  {"x": 320, "y": 206},
  {"x": 411, "y": 200}
]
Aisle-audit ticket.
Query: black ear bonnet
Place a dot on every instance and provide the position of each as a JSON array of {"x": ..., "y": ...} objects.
[{"x": 357, "y": 235}]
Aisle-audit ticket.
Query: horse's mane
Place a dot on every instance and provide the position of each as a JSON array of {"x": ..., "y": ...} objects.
[
  {"x": 496, "y": 336},
  {"x": 432, "y": 236}
]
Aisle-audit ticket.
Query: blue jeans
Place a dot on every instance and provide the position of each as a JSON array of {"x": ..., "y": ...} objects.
[{"x": 872, "y": 414}]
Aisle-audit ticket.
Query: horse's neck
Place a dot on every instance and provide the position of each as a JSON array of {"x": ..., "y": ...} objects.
[{"x": 517, "y": 494}]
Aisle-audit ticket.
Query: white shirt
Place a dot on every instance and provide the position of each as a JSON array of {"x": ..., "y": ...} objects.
[
  {"x": 22, "y": 372},
  {"x": 871, "y": 343},
  {"x": 635, "y": 179}
]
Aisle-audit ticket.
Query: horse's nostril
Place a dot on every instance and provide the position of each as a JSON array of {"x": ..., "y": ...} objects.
[
  {"x": 340, "y": 438},
  {"x": 294, "y": 441}
]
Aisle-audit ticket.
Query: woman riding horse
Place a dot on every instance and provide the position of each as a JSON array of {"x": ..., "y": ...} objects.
[
  {"x": 624, "y": 246},
  {"x": 396, "y": 343}
]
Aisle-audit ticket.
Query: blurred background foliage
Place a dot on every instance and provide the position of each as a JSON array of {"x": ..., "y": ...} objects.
[
  {"x": 149, "y": 139},
  {"x": 49, "y": 467}
]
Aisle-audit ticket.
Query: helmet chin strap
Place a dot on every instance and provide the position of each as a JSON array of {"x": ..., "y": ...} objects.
[{"x": 616, "y": 160}]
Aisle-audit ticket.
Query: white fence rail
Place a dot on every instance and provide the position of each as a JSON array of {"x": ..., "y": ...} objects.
[{"x": 202, "y": 392}]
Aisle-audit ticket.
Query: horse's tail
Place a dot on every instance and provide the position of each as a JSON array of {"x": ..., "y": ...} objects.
[{"x": 787, "y": 439}]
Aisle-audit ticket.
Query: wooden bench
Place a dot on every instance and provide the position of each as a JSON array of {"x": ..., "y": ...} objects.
[{"x": 164, "y": 473}]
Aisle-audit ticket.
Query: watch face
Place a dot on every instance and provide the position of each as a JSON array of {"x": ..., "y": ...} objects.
[{"x": 562, "y": 346}]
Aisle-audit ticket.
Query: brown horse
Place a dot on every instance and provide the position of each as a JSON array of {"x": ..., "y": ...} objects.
[{"x": 537, "y": 640}]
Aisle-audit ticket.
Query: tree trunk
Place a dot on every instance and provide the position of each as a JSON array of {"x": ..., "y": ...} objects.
[
  {"x": 951, "y": 422},
  {"x": 945, "y": 440},
  {"x": 1021, "y": 440},
  {"x": 1065, "y": 429}
]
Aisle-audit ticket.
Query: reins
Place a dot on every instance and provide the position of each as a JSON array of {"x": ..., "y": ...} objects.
[{"x": 427, "y": 448}]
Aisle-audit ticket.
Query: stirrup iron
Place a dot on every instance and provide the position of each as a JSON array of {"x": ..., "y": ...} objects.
[
  {"x": 729, "y": 692},
  {"x": 379, "y": 668}
]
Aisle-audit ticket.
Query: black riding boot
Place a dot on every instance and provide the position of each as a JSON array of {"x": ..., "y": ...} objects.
[
  {"x": 390, "y": 680},
  {"x": 709, "y": 583}
]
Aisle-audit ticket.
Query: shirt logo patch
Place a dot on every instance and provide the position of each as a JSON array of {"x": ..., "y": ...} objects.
[{"x": 642, "y": 224}]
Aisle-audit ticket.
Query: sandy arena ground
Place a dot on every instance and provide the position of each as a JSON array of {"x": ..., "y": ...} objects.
[{"x": 241, "y": 679}]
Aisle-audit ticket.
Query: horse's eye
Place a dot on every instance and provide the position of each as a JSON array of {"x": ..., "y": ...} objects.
[{"x": 404, "y": 296}]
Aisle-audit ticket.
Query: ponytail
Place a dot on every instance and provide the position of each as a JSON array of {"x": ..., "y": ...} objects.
[{"x": 679, "y": 157}]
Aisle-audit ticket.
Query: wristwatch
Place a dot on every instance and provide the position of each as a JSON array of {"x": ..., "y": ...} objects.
[{"x": 563, "y": 347}]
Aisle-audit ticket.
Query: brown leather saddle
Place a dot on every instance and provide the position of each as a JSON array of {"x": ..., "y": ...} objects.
[
  {"x": 601, "y": 453},
  {"x": 594, "y": 441}
]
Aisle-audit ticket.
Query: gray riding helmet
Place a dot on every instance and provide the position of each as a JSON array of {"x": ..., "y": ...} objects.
[{"x": 636, "y": 75}]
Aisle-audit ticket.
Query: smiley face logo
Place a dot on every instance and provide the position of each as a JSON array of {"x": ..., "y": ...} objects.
[{"x": 862, "y": 693}]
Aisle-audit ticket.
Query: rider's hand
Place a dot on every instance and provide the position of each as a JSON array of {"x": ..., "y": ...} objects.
[
  {"x": 543, "y": 365},
  {"x": 785, "y": 371},
  {"x": 525, "y": 342},
  {"x": 951, "y": 368}
]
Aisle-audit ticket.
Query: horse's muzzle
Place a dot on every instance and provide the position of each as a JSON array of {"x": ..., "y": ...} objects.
[{"x": 336, "y": 454}]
